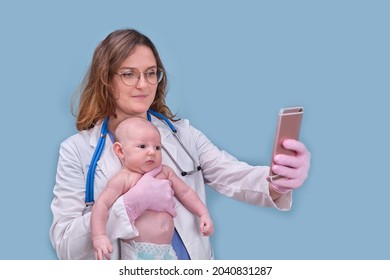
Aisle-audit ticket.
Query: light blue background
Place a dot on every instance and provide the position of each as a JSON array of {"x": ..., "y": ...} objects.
[{"x": 231, "y": 65}]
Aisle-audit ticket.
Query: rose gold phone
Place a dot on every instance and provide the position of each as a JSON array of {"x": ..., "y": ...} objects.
[{"x": 289, "y": 125}]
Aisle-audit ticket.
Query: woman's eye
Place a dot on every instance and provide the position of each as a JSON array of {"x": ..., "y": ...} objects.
[
  {"x": 151, "y": 73},
  {"x": 128, "y": 74}
]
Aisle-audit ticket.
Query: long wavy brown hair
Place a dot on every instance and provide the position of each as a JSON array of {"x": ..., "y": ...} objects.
[{"x": 96, "y": 95}]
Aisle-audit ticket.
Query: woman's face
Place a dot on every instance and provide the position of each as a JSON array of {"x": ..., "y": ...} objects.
[{"x": 135, "y": 100}]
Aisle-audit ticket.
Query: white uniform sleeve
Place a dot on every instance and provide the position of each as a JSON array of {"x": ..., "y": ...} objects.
[
  {"x": 234, "y": 178},
  {"x": 70, "y": 231}
]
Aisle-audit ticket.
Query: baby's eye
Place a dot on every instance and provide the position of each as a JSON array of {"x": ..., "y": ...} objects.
[
  {"x": 158, "y": 148},
  {"x": 142, "y": 146}
]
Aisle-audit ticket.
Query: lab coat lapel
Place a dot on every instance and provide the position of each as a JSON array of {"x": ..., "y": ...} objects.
[
  {"x": 94, "y": 135},
  {"x": 108, "y": 162}
]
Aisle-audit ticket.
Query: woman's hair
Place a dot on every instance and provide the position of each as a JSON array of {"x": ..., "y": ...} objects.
[{"x": 96, "y": 96}]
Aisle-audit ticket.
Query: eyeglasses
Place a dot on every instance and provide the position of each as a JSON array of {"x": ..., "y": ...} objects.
[{"x": 131, "y": 76}]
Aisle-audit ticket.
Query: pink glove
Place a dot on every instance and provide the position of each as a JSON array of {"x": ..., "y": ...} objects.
[
  {"x": 294, "y": 168},
  {"x": 149, "y": 194}
]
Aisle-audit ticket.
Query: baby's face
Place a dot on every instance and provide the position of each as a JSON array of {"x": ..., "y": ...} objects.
[{"x": 142, "y": 150}]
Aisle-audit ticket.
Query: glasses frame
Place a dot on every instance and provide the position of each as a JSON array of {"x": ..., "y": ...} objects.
[{"x": 159, "y": 79}]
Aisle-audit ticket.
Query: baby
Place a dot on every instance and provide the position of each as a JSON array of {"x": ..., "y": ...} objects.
[{"x": 138, "y": 147}]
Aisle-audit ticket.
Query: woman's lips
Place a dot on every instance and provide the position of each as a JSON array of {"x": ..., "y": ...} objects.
[{"x": 139, "y": 96}]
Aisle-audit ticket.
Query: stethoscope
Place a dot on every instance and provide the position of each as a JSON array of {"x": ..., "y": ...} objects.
[{"x": 89, "y": 198}]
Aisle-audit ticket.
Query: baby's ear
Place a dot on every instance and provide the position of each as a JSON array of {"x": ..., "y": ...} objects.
[{"x": 118, "y": 149}]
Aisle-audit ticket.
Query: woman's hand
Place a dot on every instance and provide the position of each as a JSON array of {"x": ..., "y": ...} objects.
[
  {"x": 294, "y": 169},
  {"x": 149, "y": 194}
]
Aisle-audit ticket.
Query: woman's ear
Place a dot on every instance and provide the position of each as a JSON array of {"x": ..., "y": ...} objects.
[{"x": 118, "y": 150}]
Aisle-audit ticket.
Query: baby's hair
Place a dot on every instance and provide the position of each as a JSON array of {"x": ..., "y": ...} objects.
[{"x": 132, "y": 121}]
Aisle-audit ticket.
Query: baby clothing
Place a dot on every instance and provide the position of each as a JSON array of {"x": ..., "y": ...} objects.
[{"x": 146, "y": 251}]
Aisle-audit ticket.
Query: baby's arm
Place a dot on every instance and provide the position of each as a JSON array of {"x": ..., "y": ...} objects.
[
  {"x": 190, "y": 199},
  {"x": 114, "y": 189}
]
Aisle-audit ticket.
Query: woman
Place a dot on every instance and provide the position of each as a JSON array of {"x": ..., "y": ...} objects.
[{"x": 126, "y": 78}]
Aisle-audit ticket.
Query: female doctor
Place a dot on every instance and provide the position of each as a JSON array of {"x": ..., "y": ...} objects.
[{"x": 127, "y": 78}]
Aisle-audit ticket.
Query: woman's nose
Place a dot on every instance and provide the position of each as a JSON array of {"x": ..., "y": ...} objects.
[{"x": 142, "y": 82}]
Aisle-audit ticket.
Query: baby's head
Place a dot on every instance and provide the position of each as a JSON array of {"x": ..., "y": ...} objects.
[{"x": 138, "y": 145}]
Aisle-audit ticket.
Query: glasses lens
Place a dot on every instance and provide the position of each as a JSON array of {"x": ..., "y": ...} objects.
[
  {"x": 130, "y": 76},
  {"x": 154, "y": 75}
]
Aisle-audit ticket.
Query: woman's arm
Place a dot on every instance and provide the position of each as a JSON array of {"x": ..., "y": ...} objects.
[{"x": 235, "y": 178}]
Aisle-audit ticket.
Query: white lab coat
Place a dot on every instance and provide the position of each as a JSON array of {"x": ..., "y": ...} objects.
[{"x": 70, "y": 231}]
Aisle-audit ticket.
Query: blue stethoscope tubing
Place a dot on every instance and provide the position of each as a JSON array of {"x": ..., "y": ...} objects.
[
  {"x": 89, "y": 199},
  {"x": 89, "y": 196}
]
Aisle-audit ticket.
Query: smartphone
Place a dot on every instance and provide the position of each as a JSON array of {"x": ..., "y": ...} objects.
[{"x": 288, "y": 127}]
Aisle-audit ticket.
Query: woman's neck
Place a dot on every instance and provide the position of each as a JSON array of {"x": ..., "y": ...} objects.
[{"x": 113, "y": 121}]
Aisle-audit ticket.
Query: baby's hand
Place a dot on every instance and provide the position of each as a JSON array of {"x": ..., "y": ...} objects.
[
  {"x": 102, "y": 247},
  {"x": 206, "y": 225}
]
